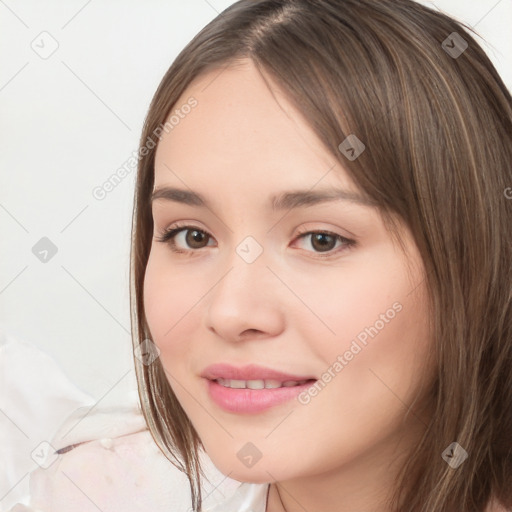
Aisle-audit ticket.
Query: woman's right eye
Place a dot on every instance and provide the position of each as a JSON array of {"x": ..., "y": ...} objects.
[{"x": 184, "y": 239}]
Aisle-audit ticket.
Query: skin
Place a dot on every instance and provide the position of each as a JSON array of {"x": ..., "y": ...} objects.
[{"x": 291, "y": 309}]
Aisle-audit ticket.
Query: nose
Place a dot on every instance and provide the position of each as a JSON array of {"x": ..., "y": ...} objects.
[{"x": 246, "y": 302}]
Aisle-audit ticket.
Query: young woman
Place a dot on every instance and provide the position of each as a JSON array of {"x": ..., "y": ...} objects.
[{"x": 321, "y": 260}]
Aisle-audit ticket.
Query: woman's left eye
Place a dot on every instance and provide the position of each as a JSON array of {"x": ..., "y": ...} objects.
[
  {"x": 325, "y": 242},
  {"x": 193, "y": 238}
]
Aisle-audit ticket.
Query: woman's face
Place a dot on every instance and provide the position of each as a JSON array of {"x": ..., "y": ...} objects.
[{"x": 257, "y": 290}]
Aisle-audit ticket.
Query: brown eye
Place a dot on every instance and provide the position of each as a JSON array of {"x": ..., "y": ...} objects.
[
  {"x": 185, "y": 238},
  {"x": 323, "y": 241},
  {"x": 325, "y": 244},
  {"x": 194, "y": 238}
]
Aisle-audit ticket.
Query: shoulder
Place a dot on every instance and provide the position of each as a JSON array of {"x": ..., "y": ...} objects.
[{"x": 107, "y": 459}]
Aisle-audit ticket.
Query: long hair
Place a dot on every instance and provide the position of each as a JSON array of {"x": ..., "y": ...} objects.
[{"x": 436, "y": 120}]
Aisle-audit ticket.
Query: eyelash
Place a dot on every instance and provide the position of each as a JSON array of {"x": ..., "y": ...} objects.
[{"x": 168, "y": 237}]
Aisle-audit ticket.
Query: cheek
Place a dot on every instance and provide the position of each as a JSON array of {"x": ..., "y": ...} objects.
[
  {"x": 394, "y": 349},
  {"x": 365, "y": 294},
  {"x": 169, "y": 298},
  {"x": 373, "y": 370},
  {"x": 378, "y": 321}
]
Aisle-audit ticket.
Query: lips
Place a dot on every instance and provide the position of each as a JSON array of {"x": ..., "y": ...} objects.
[
  {"x": 250, "y": 372},
  {"x": 252, "y": 389}
]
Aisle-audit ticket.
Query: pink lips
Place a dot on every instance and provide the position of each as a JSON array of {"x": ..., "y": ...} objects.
[
  {"x": 251, "y": 400},
  {"x": 248, "y": 372}
]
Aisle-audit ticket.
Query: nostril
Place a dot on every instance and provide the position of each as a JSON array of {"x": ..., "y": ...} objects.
[{"x": 250, "y": 333}]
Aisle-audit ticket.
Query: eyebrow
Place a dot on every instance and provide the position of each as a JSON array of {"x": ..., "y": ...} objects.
[{"x": 283, "y": 201}]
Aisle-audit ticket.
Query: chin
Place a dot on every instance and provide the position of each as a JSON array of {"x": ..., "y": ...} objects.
[{"x": 256, "y": 474}]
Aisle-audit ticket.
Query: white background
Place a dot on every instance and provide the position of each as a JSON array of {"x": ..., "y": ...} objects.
[{"x": 67, "y": 123}]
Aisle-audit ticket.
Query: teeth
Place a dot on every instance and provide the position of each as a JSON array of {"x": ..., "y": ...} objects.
[
  {"x": 255, "y": 384},
  {"x": 237, "y": 384},
  {"x": 258, "y": 384}
]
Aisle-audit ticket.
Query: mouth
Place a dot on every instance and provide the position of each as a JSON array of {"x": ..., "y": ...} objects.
[
  {"x": 253, "y": 396},
  {"x": 260, "y": 383},
  {"x": 251, "y": 389},
  {"x": 252, "y": 375}
]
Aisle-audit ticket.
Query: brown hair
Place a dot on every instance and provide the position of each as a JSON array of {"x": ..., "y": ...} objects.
[{"x": 438, "y": 131}]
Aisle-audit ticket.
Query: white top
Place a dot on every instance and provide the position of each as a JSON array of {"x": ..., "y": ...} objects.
[
  {"x": 247, "y": 498},
  {"x": 109, "y": 461},
  {"x": 36, "y": 396}
]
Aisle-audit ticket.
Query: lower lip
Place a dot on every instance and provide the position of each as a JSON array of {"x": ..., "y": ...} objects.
[{"x": 252, "y": 400}]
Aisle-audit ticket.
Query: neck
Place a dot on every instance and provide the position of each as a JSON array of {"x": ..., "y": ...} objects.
[{"x": 361, "y": 485}]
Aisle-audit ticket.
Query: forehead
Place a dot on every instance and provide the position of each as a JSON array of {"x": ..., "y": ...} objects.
[{"x": 238, "y": 129}]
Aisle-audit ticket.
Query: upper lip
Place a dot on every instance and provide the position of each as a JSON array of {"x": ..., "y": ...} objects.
[{"x": 249, "y": 372}]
